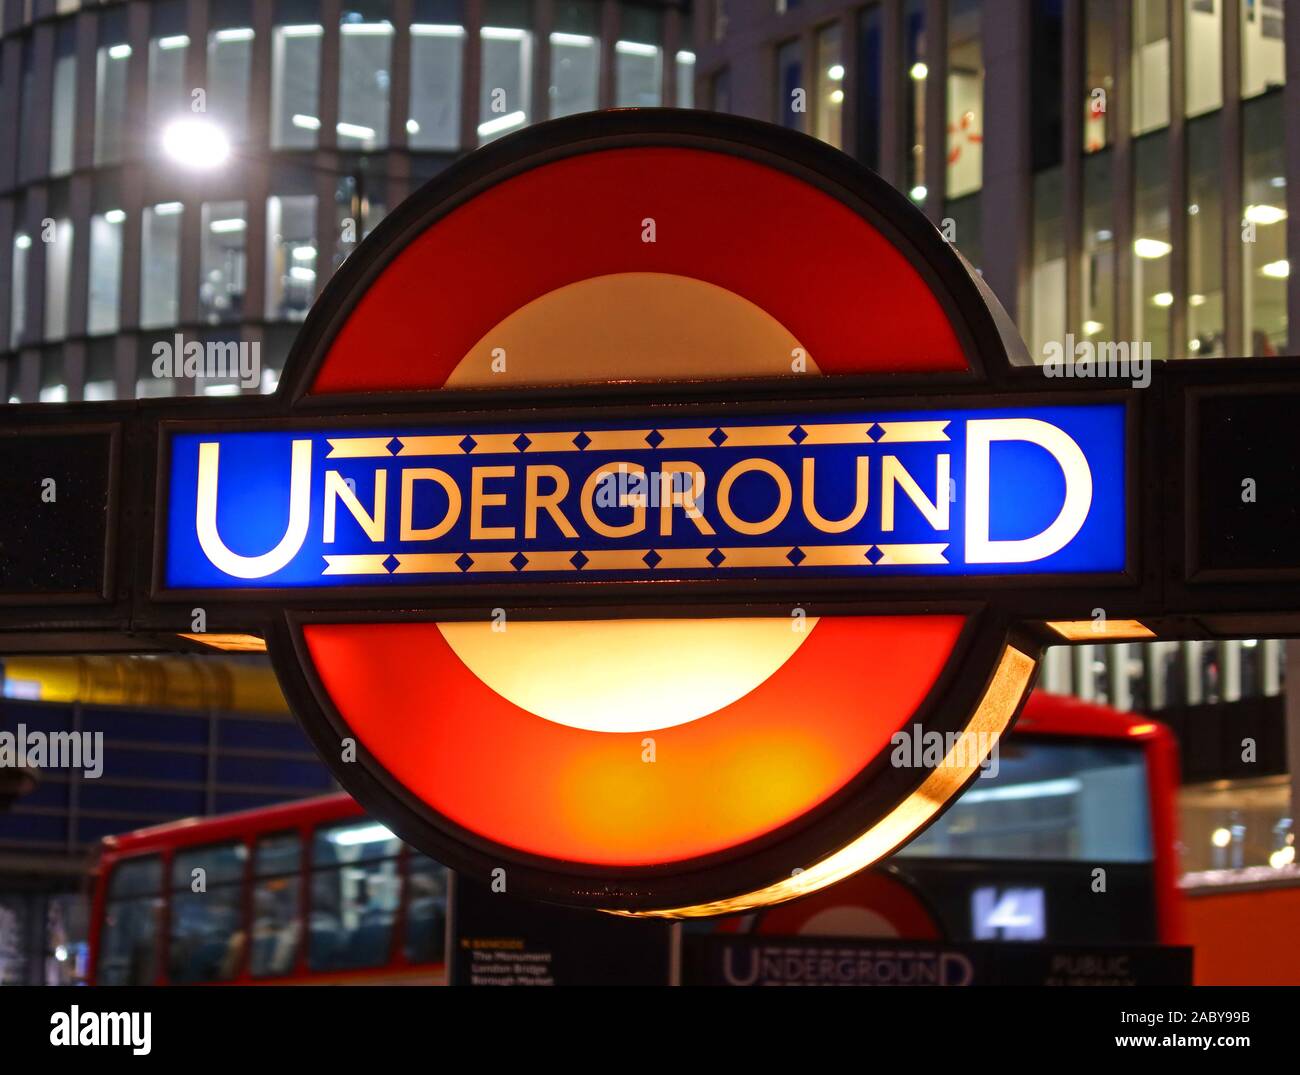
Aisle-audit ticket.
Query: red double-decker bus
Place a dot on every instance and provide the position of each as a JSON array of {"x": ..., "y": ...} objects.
[{"x": 317, "y": 892}]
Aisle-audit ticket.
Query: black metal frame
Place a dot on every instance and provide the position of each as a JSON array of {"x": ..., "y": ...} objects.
[{"x": 1155, "y": 587}]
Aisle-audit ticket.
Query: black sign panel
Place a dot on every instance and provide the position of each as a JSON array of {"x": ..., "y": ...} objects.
[
  {"x": 1245, "y": 475},
  {"x": 55, "y": 513},
  {"x": 497, "y": 939},
  {"x": 750, "y": 961}
]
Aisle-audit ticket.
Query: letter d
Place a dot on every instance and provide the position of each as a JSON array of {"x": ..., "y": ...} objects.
[{"x": 980, "y": 433}]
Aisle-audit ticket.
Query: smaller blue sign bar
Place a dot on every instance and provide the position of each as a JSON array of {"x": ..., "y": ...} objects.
[{"x": 951, "y": 492}]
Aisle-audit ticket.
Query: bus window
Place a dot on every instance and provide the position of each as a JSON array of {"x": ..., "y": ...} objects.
[
  {"x": 277, "y": 894},
  {"x": 128, "y": 944},
  {"x": 207, "y": 936},
  {"x": 1050, "y": 800},
  {"x": 426, "y": 912},
  {"x": 355, "y": 889}
]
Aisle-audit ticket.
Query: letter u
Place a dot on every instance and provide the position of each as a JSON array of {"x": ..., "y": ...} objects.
[{"x": 253, "y": 567}]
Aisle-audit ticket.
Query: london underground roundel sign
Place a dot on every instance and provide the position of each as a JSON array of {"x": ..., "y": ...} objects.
[{"x": 634, "y": 490}]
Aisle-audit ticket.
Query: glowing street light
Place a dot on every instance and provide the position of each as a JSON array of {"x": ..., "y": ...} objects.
[{"x": 196, "y": 143}]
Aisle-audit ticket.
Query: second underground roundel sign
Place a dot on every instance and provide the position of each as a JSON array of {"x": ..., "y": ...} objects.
[{"x": 560, "y": 451}]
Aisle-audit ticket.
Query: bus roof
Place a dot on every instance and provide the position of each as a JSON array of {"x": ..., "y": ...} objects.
[{"x": 1044, "y": 714}]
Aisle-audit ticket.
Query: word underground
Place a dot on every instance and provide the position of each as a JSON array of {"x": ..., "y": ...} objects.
[{"x": 1039, "y": 489}]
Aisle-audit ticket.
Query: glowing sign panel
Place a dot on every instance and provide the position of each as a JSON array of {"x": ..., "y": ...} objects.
[{"x": 951, "y": 492}]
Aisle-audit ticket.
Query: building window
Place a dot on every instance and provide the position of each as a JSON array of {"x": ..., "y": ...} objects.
[
  {"x": 685, "y": 79},
  {"x": 506, "y": 46},
  {"x": 28, "y": 166},
  {"x": 230, "y": 68},
  {"x": 58, "y": 272},
  {"x": 54, "y": 385},
  {"x": 356, "y": 213},
  {"x": 1203, "y": 48},
  {"x": 63, "y": 123},
  {"x": 1047, "y": 273},
  {"x": 720, "y": 90},
  {"x": 1204, "y": 239},
  {"x": 1265, "y": 265},
  {"x": 112, "y": 61},
  {"x": 1152, "y": 297},
  {"x": 965, "y": 102},
  {"x": 168, "y": 96},
  {"x": 160, "y": 264},
  {"x": 1098, "y": 73},
  {"x": 1098, "y": 277},
  {"x": 1263, "y": 47},
  {"x": 914, "y": 98},
  {"x": 433, "y": 119},
  {"x": 790, "y": 92},
  {"x": 18, "y": 289},
  {"x": 295, "y": 75},
  {"x": 639, "y": 59},
  {"x": 870, "y": 86},
  {"x": 365, "y": 56},
  {"x": 575, "y": 59},
  {"x": 829, "y": 102},
  {"x": 222, "y": 268},
  {"x": 290, "y": 256},
  {"x": 1150, "y": 65},
  {"x": 101, "y": 371},
  {"x": 105, "y": 271}
]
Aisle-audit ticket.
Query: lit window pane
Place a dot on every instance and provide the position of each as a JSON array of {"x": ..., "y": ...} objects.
[
  {"x": 965, "y": 99},
  {"x": 1204, "y": 239},
  {"x": 575, "y": 59},
  {"x": 230, "y": 62},
  {"x": 58, "y": 265},
  {"x": 222, "y": 267},
  {"x": 1047, "y": 273},
  {"x": 914, "y": 98},
  {"x": 1203, "y": 36},
  {"x": 1150, "y": 65},
  {"x": 1098, "y": 249},
  {"x": 28, "y": 166},
  {"x": 160, "y": 264},
  {"x": 290, "y": 256},
  {"x": 1263, "y": 48},
  {"x": 105, "y": 271},
  {"x": 365, "y": 50},
  {"x": 830, "y": 85},
  {"x": 18, "y": 290},
  {"x": 167, "y": 94},
  {"x": 685, "y": 79},
  {"x": 434, "y": 114},
  {"x": 111, "y": 64},
  {"x": 1152, "y": 297},
  {"x": 1265, "y": 262},
  {"x": 504, "y": 98},
  {"x": 1099, "y": 73},
  {"x": 295, "y": 85},
  {"x": 62, "y": 115},
  {"x": 638, "y": 72}
]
